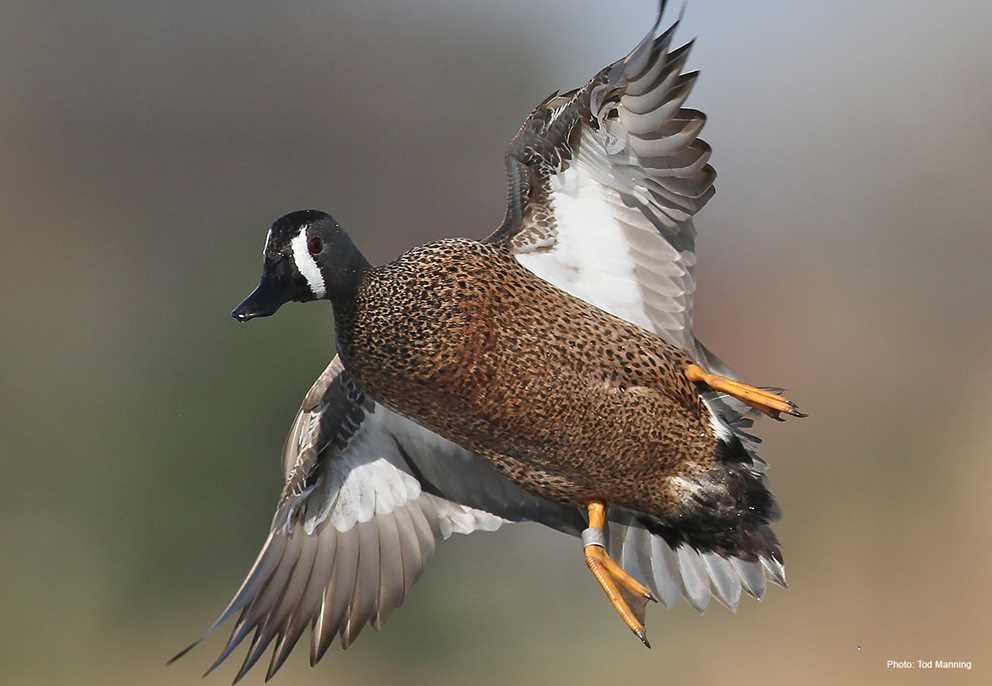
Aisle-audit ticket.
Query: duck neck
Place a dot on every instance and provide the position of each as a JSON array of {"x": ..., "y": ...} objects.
[
  {"x": 345, "y": 318},
  {"x": 344, "y": 296}
]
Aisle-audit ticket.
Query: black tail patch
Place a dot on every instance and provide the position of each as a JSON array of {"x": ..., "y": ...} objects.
[{"x": 731, "y": 511}]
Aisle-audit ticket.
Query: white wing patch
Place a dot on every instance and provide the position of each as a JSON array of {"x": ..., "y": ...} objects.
[
  {"x": 590, "y": 259},
  {"x": 370, "y": 479},
  {"x": 611, "y": 255}
]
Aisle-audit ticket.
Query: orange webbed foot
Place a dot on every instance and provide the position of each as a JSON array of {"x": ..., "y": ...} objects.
[{"x": 627, "y": 595}]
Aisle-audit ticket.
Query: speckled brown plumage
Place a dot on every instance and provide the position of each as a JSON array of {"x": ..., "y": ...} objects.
[{"x": 565, "y": 399}]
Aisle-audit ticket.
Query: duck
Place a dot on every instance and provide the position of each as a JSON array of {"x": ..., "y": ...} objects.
[{"x": 546, "y": 373}]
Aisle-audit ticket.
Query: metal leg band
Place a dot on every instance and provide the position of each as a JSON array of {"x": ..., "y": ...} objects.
[{"x": 594, "y": 536}]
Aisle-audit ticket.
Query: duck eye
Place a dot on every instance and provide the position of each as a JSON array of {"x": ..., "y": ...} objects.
[{"x": 315, "y": 245}]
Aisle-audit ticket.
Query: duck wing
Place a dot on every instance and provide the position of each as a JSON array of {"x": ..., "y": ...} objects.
[
  {"x": 367, "y": 494},
  {"x": 603, "y": 183}
]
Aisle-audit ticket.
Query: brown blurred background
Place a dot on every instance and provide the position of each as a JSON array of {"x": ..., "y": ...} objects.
[{"x": 144, "y": 147}]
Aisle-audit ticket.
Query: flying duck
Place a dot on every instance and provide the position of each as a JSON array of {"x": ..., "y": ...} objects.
[{"x": 547, "y": 373}]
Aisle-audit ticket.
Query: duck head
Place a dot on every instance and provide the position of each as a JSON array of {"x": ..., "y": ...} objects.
[{"x": 307, "y": 256}]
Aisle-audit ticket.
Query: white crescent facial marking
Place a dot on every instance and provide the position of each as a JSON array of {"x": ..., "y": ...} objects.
[{"x": 305, "y": 264}]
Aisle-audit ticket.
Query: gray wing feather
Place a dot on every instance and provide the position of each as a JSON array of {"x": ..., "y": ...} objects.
[
  {"x": 425, "y": 531},
  {"x": 309, "y": 604},
  {"x": 682, "y": 572},
  {"x": 366, "y": 594},
  {"x": 665, "y": 572},
  {"x": 775, "y": 571},
  {"x": 392, "y": 586},
  {"x": 694, "y": 578},
  {"x": 263, "y": 608},
  {"x": 752, "y": 577},
  {"x": 337, "y": 592},
  {"x": 725, "y": 582},
  {"x": 412, "y": 560}
]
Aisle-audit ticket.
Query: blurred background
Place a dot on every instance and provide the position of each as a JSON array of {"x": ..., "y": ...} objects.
[{"x": 144, "y": 148}]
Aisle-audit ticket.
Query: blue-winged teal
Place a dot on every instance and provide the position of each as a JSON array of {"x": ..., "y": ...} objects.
[{"x": 548, "y": 373}]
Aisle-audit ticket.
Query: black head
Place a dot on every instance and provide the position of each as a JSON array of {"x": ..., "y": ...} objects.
[{"x": 307, "y": 256}]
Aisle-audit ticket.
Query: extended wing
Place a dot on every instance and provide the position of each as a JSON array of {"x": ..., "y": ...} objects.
[{"x": 367, "y": 494}]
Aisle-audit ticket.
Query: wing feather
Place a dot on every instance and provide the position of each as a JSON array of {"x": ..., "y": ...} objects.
[
  {"x": 675, "y": 572},
  {"x": 694, "y": 577},
  {"x": 366, "y": 593},
  {"x": 665, "y": 570},
  {"x": 353, "y": 527},
  {"x": 726, "y": 584},
  {"x": 412, "y": 559},
  {"x": 392, "y": 588}
]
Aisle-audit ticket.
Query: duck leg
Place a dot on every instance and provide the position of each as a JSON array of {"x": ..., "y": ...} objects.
[
  {"x": 622, "y": 590},
  {"x": 768, "y": 402}
]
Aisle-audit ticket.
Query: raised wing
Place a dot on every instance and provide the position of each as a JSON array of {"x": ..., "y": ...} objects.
[
  {"x": 367, "y": 493},
  {"x": 603, "y": 183}
]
